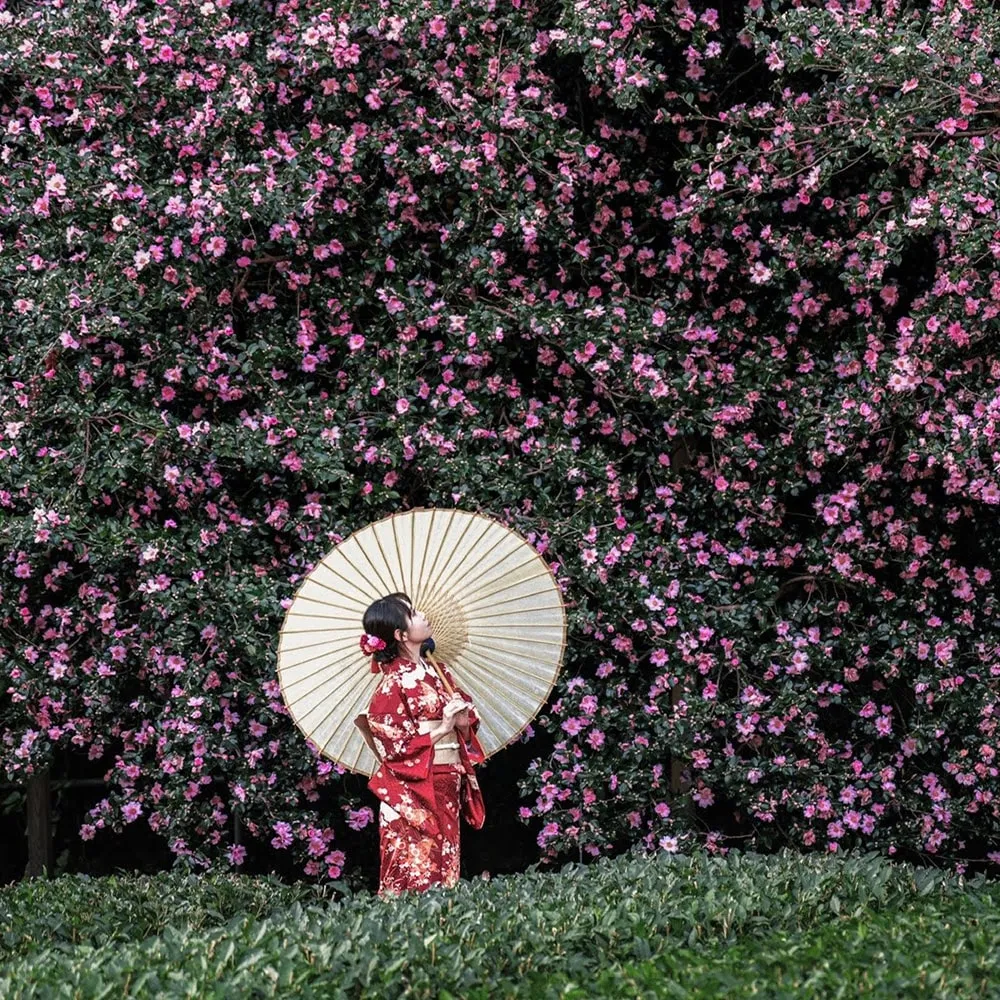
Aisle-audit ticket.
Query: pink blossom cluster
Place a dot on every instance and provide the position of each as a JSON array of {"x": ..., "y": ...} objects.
[{"x": 714, "y": 331}]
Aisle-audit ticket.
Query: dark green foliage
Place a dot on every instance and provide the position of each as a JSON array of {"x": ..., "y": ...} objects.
[
  {"x": 676, "y": 926},
  {"x": 77, "y": 910}
]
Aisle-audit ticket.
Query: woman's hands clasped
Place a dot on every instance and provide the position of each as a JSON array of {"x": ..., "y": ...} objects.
[{"x": 456, "y": 713}]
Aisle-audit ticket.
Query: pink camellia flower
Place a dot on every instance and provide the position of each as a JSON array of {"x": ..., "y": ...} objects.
[
  {"x": 952, "y": 125},
  {"x": 216, "y": 246},
  {"x": 360, "y": 818},
  {"x": 283, "y": 835},
  {"x": 703, "y": 796}
]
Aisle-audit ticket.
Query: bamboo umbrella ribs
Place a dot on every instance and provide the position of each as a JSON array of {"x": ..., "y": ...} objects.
[{"x": 495, "y": 608}]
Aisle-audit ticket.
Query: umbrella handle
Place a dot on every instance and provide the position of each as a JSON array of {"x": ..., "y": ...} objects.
[
  {"x": 441, "y": 677},
  {"x": 437, "y": 669}
]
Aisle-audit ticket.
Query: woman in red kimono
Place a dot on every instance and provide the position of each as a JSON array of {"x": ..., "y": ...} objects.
[{"x": 423, "y": 735}]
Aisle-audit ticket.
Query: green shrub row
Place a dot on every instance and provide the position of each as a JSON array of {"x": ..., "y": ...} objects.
[
  {"x": 78, "y": 910},
  {"x": 945, "y": 947},
  {"x": 597, "y": 927}
]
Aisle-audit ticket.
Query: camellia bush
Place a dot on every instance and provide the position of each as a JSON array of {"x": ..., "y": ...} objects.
[{"x": 701, "y": 301}]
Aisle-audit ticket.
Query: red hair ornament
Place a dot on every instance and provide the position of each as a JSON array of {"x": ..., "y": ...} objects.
[{"x": 370, "y": 645}]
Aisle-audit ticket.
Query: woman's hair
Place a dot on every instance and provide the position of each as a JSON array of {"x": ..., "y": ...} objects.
[
  {"x": 382, "y": 618},
  {"x": 405, "y": 598}
]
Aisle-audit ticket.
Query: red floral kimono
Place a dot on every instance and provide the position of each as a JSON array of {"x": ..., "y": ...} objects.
[{"x": 420, "y": 802}]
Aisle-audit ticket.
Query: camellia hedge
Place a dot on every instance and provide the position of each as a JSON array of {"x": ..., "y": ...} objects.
[{"x": 702, "y": 301}]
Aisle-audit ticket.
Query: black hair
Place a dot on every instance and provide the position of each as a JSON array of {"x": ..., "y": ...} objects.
[
  {"x": 382, "y": 618},
  {"x": 427, "y": 646},
  {"x": 400, "y": 596}
]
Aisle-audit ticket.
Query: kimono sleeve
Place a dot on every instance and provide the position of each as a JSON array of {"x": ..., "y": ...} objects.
[
  {"x": 402, "y": 779},
  {"x": 403, "y": 749}
]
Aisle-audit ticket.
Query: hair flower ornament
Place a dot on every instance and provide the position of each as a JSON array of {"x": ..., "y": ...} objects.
[{"x": 371, "y": 644}]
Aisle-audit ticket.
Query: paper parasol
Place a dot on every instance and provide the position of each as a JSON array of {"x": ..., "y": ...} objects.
[{"x": 494, "y": 606}]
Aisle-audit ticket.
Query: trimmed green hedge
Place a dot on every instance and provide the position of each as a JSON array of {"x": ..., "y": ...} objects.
[
  {"x": 941, "y": 948},
  {"x": 673, "y": 926},
  {"x": 78, "y": 910}
]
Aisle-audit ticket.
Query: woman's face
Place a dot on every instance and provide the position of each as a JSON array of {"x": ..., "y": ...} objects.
[{"x": 418, "y": 627}]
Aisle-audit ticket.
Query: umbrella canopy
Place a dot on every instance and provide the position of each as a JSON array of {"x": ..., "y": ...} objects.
[{"x": 494, "y": 606}]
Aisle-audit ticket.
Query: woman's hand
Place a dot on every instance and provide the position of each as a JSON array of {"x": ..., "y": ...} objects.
[
  {"x": 462, "y": 717},
  {"x": 456, "y": 713}
]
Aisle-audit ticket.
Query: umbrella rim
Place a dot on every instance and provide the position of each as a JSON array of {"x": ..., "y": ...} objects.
[{"x": 489, "y": 517}]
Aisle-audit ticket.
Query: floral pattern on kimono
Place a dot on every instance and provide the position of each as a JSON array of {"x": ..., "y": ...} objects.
[
  {"x": 411, "y": 860},
  {"x": 419, "y": 814}
]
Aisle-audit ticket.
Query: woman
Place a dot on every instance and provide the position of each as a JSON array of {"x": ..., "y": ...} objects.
[{"x": 422, "y": 729}]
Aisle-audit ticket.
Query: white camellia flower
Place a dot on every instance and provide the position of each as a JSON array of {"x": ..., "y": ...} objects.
[{"x": 411, "y": 678}]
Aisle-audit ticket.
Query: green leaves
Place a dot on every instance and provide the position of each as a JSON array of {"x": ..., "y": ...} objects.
[
  {"x": 632, "y": 926},
  {"x": 77, "y": 910}
]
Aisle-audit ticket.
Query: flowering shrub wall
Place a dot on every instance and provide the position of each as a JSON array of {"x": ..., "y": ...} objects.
[{"x": 703, "y": 303}]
